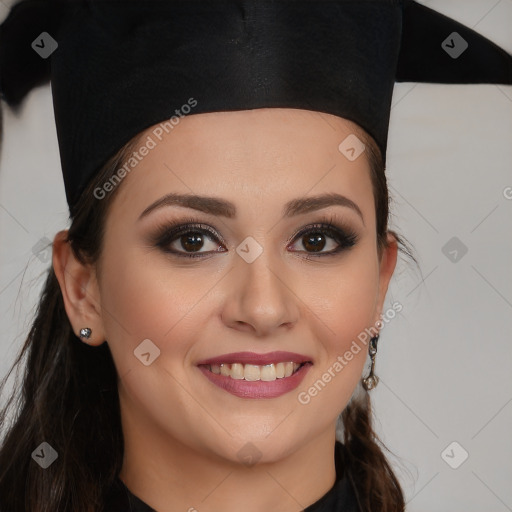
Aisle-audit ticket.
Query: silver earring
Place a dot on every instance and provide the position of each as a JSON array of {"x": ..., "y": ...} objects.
[
  {"x": 85, "y": 333},
  {"x": 372, "y": 380}
]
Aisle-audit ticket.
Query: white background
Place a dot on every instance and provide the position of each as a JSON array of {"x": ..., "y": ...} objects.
[{"x": 445, "y": 360}]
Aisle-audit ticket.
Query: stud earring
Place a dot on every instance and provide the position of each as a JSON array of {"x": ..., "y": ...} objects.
[
  {"x": 372, "y": 380},
  {"x": 85, "y": 333}
]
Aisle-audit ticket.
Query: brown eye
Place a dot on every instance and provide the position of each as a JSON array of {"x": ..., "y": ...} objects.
[
  {"x": 187, "y": 239},
  {"x": 314, "y": 242},
  {"x": 316, "y": 238},
  {"x": 191, "y": 241}
]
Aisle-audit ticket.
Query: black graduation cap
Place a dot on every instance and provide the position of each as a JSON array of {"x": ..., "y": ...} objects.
[{"x": 118, "y": 67}]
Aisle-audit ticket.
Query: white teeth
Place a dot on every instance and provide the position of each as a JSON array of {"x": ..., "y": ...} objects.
[
  {"x": 253, "y": 372},
  {"x": 237, "y": 371},
  {"x": 268, "y": 372}
]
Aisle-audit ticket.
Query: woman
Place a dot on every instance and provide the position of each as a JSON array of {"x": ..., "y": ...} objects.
[{"x": 208, "y": 314}]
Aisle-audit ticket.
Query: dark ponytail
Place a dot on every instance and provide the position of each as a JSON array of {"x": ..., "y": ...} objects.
[
  {"x": 68, "y": 400},
  {"x": 370, "y": 473},
  {"x": 69, "y": 396}
]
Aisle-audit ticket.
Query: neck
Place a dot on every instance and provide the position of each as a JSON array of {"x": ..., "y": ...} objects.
[{"x": 169, "y": 475}]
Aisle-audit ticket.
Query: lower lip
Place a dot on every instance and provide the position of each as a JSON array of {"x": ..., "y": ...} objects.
[{"x": 258, "y": 388}]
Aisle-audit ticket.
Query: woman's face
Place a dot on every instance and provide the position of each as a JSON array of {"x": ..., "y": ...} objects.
[{"x": 254, "y": 285}]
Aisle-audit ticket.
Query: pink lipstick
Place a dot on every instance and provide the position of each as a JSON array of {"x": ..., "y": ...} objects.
[{"x": 252, "y": 375}]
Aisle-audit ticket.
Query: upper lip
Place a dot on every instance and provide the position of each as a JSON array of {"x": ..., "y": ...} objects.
[{"x": 257, "y": 359}]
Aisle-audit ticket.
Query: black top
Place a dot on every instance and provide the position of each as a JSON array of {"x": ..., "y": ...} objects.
[{"x": 341, "y": 496}]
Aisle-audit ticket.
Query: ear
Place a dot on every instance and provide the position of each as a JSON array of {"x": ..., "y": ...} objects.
[
  {"x": 386, "y": 268},
  {"x": 79, "y": 289}
]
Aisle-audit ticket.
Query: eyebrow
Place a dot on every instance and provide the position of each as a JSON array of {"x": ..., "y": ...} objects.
[{"x": 223, "y": 208}]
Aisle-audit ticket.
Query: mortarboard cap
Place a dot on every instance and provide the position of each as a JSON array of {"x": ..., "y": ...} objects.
[{"x": 118, "y": 67}]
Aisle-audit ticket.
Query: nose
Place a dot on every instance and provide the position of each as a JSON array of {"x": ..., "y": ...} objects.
[{"x": 260, "y": 298}]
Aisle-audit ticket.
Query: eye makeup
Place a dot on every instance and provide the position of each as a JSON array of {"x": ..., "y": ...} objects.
[{"x": 170, "y": 232}]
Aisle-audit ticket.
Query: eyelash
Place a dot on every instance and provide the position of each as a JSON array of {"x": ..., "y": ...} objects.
[{"x": 168, "y": 233}]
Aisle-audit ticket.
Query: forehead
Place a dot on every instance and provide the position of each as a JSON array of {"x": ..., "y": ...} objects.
[
  {"x": 260, "y": 157},
  {"x": 260, "y": 133}
]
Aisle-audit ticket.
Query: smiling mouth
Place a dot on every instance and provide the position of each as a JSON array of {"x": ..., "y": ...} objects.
[{"x": 252, "y": 372}]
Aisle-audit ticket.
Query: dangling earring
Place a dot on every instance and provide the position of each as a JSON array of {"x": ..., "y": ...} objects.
[
  {"x": 372, "y": 380},
  {"x": 85, "y": 333}
]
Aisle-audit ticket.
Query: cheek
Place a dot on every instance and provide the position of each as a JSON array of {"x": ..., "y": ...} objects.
[
  {"x": 344, "y": 307},
  {"x": 345, "y": 298},
  {"x": 141, "y": 299}
]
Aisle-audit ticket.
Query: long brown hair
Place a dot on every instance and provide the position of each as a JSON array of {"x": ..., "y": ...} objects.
[{"x": 69, "y": 395}]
